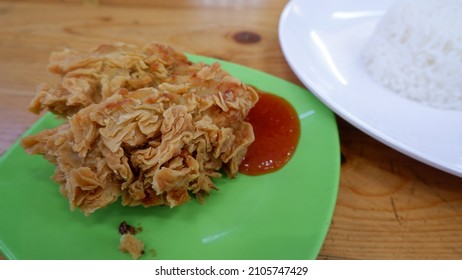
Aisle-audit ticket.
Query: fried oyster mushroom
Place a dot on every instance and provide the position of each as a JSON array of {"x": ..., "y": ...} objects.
[
  {"x": 87, "y": 78},
  {"x": 158, "y": 144}
]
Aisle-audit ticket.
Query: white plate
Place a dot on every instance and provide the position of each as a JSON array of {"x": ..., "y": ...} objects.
[{"x": 321, "y": 41}]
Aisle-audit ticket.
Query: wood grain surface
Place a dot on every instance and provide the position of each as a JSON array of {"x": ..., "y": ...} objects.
[{"x": 389, "y": 205}]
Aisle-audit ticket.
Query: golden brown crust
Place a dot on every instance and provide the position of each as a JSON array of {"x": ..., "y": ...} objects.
[
  {"x": 154, "y": 143},
  {"x": 132, "y": 245}
]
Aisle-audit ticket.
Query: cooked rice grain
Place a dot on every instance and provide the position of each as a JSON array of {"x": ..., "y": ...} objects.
[{"x": 416, "y": 51}]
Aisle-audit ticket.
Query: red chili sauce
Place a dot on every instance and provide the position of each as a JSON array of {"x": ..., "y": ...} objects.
[{"x": 277, "y": 129}]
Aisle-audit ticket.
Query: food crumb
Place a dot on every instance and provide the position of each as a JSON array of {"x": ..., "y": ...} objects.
[
  {"x": 126, "y": 228},
  {"x": 128, "y": 242},
  {"x": 132, "y": 245}
]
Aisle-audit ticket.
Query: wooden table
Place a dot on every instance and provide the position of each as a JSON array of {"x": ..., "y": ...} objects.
[{"x": 389, "y": 205}]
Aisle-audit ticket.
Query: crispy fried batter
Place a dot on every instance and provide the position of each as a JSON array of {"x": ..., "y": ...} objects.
[
  {"x": 130, "y": 244},
  {"x": 88, "y": 78},
  {"x": 144, "y": 124}
]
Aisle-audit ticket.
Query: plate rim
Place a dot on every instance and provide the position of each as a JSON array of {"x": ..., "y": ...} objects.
[{"x": 357, "y": 122}]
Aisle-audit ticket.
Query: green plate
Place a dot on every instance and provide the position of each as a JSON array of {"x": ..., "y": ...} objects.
[{"x": 283, "y": 215}]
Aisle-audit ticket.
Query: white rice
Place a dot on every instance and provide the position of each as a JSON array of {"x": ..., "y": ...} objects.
[{"x": 416, "y": 51}]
